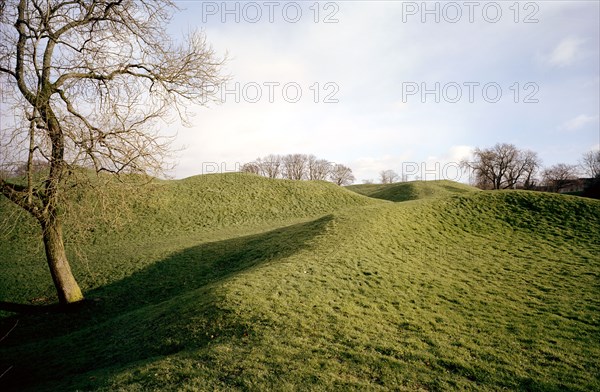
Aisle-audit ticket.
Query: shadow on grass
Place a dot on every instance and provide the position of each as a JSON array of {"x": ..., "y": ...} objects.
[
  {"x": 398, "y": 193},
  {"x": 145, "y": 315},
  {"x": 13, "y": 307}
]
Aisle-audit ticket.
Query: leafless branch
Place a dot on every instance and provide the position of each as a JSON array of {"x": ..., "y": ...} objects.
[
  {"x": 8, "y": 333},
  {"x": 503, "y": 166},
  {"x": 92, "y": 82},
  {"x": 6, "y": 371}
]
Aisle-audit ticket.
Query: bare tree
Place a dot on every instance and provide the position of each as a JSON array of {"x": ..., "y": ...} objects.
[
  {"x": 503, "y": 166},
  {"x": 388, "y": 176},
  {"x": 300, "y": 167},
  {"x": 524, "y": 174},
  {"x": 590, "y": 163},
  {"x": 35, "y": 166},
  {"x": 271, "y": 166},
  {"x": 251, "y": 167},
  {"x": 368, "y": 181},
  {"x": 294, "y": 166},
  {"x": 341, "y": 175},
  {"x": 91, "y": 81},
  {"x": 318, "y": 169},
  {"x": 558, "y": 176}
]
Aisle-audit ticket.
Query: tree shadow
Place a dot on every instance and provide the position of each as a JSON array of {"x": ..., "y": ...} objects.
[
  {"x": 141, "y": 316},
  {"x": 14, "y": 307}
]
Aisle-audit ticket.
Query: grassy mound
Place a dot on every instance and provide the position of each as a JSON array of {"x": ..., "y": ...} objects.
[
  {"x": 122, "y": 228},
  {"x": 476, "y": 291},
  {"x": 404, "y": 191}
]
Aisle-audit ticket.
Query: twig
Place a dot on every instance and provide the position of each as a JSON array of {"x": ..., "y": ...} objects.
[
  {"x": 8, "y": 333},
  {"x": 6, "y": 371},
  {"x": 4, "y": 337}
]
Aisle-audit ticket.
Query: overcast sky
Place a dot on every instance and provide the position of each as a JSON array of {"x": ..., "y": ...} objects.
[{"x": 393, "y": 85}]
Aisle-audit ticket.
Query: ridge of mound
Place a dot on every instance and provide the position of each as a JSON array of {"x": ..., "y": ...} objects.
[
  {"x": 413, "y": 190},
  {"x": 477, "y": 291},
  {"x": 108, "y": 226}
]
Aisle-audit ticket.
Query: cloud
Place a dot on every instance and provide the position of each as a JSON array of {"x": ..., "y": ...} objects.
[
  {"x": 458, "y": 153},
  {"x": 369, "y": 55},
  {"x": 566, "y": 52},
  {"x": 446, "y": 166},
  {"x": 578, "y": 122},
  {"x": 368, "y": 168}
]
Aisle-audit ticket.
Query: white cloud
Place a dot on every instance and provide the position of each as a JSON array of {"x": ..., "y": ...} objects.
[
  {"x": 458, "y": 153},
  {"x": 566, "y": 52},
  {"x": 578, "y": 122},
  {"x": 370, "y": 54},
  {"x": 368, "y": 168},
  {"x": 445, "y": 166}
]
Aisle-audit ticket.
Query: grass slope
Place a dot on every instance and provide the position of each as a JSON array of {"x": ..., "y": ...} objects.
[
  {"x": 146, "y": 224},
  {"x": 414, "y": 190},
  {"x": 477, "y": 291}
]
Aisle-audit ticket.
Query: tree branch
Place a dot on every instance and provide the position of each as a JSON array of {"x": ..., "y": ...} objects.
[
  {"x": 20, "y": 67},
  {"x": 8, "y": 333},
  {"x": 8, "y": 71},
  {"x": 18, "y": 194}
]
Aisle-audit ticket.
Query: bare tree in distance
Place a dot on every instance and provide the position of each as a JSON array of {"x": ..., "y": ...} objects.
[
  {"x": 20, "y": 169},
  {"x": 251, "y": 167},
  {"x": 318, "y": 169},
  {"x": 368, "y": 181},
  {"x": 590, "y": 163},
  {"x": 388, "y": 176},
  {"x": 558, "y": 176},
  {"x": 299, "y": 167},
  {"x": 341, "y": 175},
  {"x": 271, "y": 166},
  {"x": 295, "y": 166},
  {"x": 503, "y": 166},
  {"x": 91, "y": 82},
  {"x": 523, "y": 172}
]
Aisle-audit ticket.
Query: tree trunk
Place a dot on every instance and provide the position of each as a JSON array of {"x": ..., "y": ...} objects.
[{"x": 67, "y": 288}]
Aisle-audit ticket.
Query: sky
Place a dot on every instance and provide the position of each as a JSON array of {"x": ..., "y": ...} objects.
[{"x": 409, "y": 86}]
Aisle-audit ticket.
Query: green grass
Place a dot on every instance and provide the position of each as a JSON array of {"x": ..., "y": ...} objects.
[
  {"x": 146, "y": 224},
  {"x": 414, "y": 190},
  {"x": 335, "y": 291}
]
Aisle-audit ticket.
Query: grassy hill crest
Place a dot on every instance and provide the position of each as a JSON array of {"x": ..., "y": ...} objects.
[
  {"x": 468, "y": 291},
  {"x": 413, "y": 190}
]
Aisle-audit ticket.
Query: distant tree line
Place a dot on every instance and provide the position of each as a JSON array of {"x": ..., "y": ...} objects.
[
  {"x": 504, "y": 166},
  {"x": 299, "y": 167},
  {"x": 21, "y": 169},
  {"x": 390, "y": 176}
]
